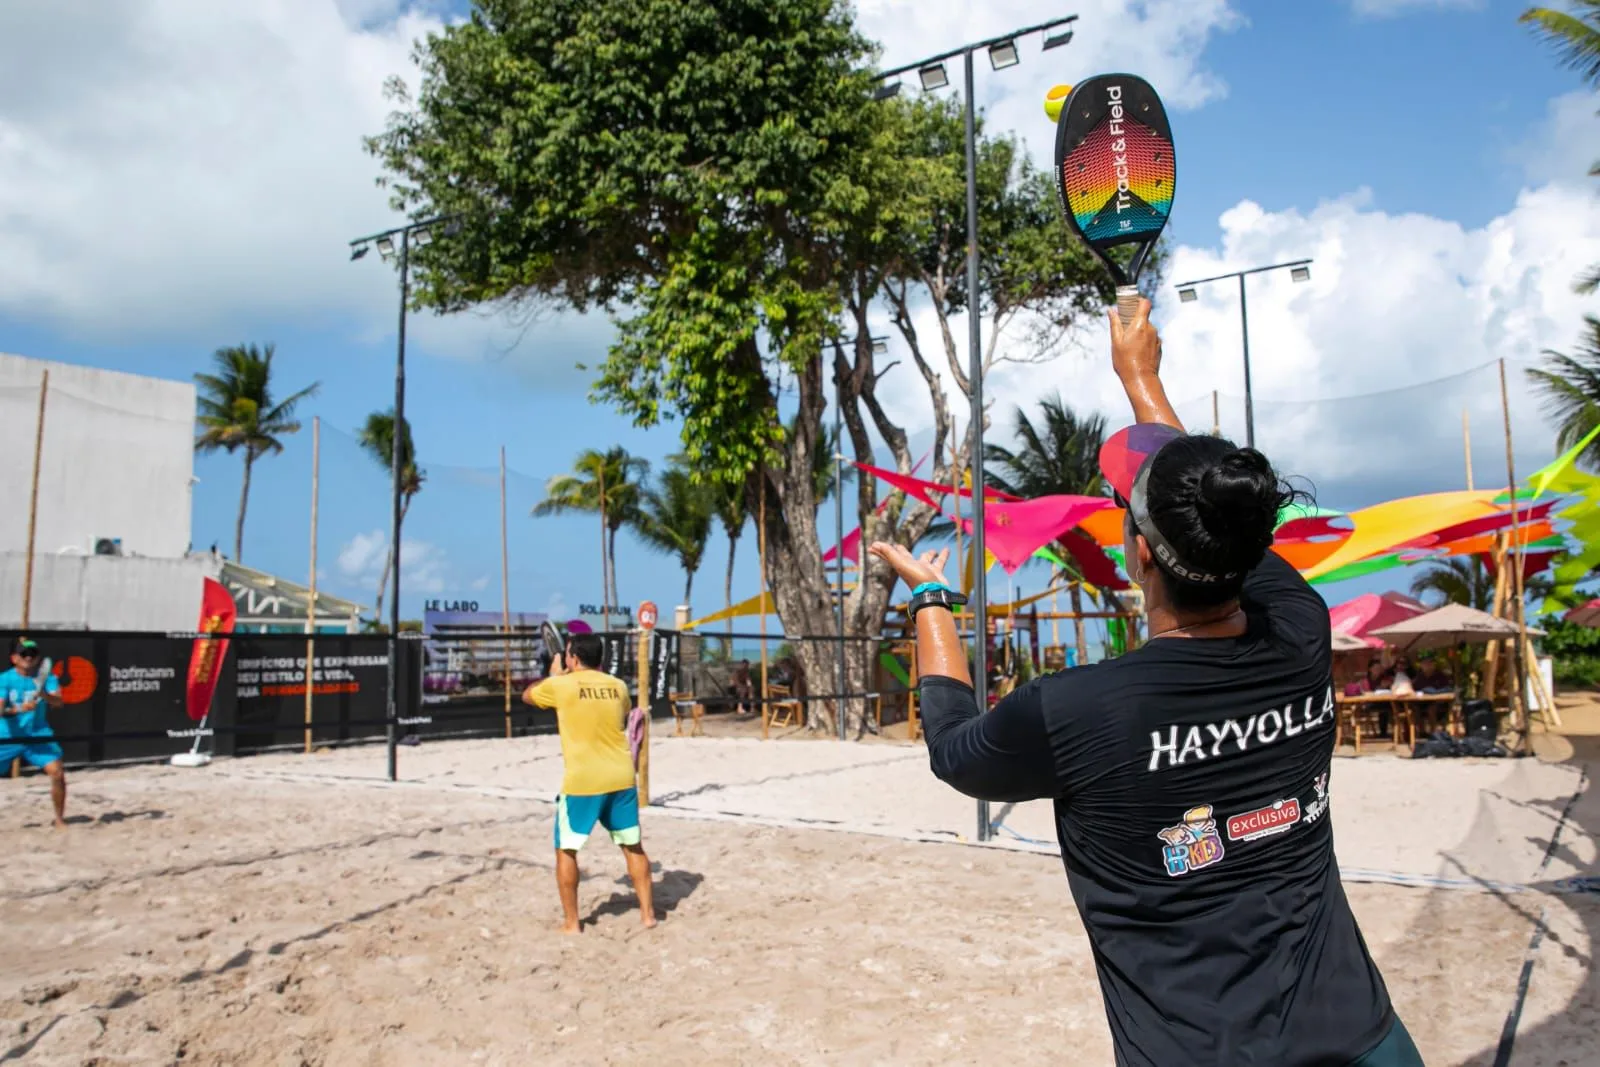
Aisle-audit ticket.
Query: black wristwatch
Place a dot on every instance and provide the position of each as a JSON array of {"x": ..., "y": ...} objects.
[{"x": 934, "y": 598}]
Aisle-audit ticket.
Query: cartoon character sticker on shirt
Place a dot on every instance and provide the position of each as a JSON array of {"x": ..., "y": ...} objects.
[
  {"x": 1193, "y": 843},
  {"x": 1318, "y": 807}
]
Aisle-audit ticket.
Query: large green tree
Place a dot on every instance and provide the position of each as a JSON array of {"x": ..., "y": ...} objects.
[
  {"x": 610, "y": 484},
  {"x": 377, "y": 441},
  {"x": 1458, "y": 580},
  {"x": 717, "y": 176},
  {"x": 237, "y": 412},
  {"x": 675, "y": 517}
]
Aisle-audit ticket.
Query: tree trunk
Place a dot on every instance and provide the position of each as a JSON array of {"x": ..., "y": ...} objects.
[
  {"x": 1077, "y": 623},
  {"x": 688, "y": 586},
  {"x": 611, "y": 597},
  {"x": 244, "y": 499},
  {"x": 727, "y": 583},
  {"x": 388, "y": 557}
]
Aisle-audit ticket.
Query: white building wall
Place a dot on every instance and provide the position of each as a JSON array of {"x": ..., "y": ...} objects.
[
  {"x": 117, "y": 461},
  {"x": 105, "y": 592}
]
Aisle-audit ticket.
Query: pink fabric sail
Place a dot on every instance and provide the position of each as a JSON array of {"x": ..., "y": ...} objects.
[
  {"x": 1014, "y": 530},
  {"x": 851, "y": 546},
  {"x": 1370, "y": 611},
  {"x": 927, "y": 491}
]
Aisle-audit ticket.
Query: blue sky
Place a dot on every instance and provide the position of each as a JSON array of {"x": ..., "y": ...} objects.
[{"x": 1429, "y": 155}]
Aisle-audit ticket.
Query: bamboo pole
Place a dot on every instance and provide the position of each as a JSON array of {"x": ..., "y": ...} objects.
[
  {"x": 643, "y": 670},
  {"x": 1080, "y": 634},
  {"x": 761, "y": 597},
  {"x": 1466, "y": 444},
  {"x": 955, "y": 500},
  {"x": 311, "y": 601},
  {"x": 605, "y": 563},
  {"x": 33, "y": 500},
  {"x": 1519, "y": 663},
  {"x": 1491, "y": 655},
  {"x": 1055, "y": 612},
  {"x": 1216, "y": 415},
  {"x": 505, "y": 588}
]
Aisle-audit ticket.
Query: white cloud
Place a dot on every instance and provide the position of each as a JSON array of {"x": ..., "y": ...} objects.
[
  {"x": 1160, "y": 40},
  {"x": 205, "y": 180},
  {"x": 557, "y": 608},
  {"x": 1563, "y": 148},
  {"x": 480, "y": 583},
  {"x": 1394, "y": 301},
  {"x": 424, "y": 567}
]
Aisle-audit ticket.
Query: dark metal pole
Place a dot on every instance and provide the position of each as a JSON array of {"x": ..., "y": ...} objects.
[
  {"x": 980, "y": 585},
  {"x": 838, "y": 525},
  {"x": 394, "y": 528},
  {"x": 1249, "y": 403}
]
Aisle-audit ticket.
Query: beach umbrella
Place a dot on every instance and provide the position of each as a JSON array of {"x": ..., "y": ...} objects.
[
  {"x": 1360, "y": 616},
  {"x": 1584, "y": 614},
  {"x": 1347, "y": 643},
  {"x": 1446, "y": 626}
]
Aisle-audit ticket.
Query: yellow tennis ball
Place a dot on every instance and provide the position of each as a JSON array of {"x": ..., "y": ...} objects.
[{"x": 1054, "y": 99}]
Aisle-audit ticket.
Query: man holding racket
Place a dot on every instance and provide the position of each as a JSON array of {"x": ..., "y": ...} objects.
[
  {"x": 25, "y": 692},
  {"x": 1190, "y": 776},
  {"x": 598, "y": 783}
]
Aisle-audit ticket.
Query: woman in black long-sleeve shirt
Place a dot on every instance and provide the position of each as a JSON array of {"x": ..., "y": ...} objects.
[{"x": 1190, "y": 776}]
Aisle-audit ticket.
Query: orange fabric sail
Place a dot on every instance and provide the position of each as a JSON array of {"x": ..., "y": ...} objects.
[{"x": 1393, "y": 522}]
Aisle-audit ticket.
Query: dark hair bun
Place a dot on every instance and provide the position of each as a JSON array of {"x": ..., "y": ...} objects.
[
  {"x": 1239, "y": 499},
  {"x": 1218, "y": 505}
]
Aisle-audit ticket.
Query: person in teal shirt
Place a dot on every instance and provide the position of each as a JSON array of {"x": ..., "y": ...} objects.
[{"x": 24, "y": 728}]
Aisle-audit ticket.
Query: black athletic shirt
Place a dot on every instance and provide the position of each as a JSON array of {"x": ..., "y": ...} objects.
[{"x": 1190, "y": 779}]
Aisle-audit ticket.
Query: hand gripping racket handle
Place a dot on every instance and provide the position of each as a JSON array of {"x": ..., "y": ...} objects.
[{"x": 1127, "y": 303}]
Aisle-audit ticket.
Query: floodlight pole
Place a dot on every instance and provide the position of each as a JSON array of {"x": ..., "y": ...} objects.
[
  {"x": 392, "y": 701},
  {"x": 1244, "y": 330},
  {"x": 980, "y": 583},
  {"x": 838, "y": 526}
]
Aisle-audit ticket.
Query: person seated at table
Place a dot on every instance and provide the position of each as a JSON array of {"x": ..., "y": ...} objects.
[
  {"x": 1434, "y": 678},
  {"x": 1401, "y": 675},
  {"x": 742, "y": 688}
]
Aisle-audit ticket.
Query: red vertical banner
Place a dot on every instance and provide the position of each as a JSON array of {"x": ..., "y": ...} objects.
[{"x": 217, "y": 613}]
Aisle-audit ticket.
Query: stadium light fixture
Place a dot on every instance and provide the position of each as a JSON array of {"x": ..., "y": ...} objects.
[
  {"x": 933, "y": 77},
  {"x": 886, "y": 90},
  {"x": 1003, "y": 54},
  {"x": 1056, "y": 40},
  {"x": 1188, "y": 296}
]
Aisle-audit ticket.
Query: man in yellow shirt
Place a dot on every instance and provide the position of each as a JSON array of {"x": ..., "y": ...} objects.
[{"x": 598, "y": 784}]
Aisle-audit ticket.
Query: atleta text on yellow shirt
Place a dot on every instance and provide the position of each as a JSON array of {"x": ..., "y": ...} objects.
[{"x": 592, "y": 715}]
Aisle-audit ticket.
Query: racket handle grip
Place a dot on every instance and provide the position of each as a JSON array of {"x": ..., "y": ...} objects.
[{"x": 1127, "y": 302}]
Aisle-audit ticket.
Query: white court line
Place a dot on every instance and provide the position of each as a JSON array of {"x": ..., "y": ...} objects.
[{"x": 930, "y": 837}]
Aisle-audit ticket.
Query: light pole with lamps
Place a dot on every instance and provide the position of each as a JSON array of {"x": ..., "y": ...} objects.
[
  {"x": 931, "y": 73},
  {"x": 390, "y": 244},
  {"x": 880, "y": 345},
  {"x": 1299, "y": 270}
]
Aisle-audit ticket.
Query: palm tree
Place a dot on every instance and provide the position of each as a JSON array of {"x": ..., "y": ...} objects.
[
  {"x": 733, "y": 512},
  {"x": 675, "y": 517},
  {"x": 1575, "y": 36},
  {"x": 1058, "y": 456},
  {"x": 610, "y": 484},
  {"x": 236, "y": 411},
  {"x": 377, "y": 439},
  {"x": 1458, "y": 580},
  {"x": 1061, "y": 455},
  {"x": 1570, "y": 385}
]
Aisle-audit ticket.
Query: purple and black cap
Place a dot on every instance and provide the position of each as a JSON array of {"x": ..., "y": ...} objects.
[{"x": 1125, "y": 461}]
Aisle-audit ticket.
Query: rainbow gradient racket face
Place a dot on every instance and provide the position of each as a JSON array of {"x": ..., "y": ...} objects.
[{"x": 1115, "y": 168}]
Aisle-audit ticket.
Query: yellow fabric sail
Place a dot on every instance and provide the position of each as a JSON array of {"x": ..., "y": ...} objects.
[
  {"x": 757, "y": 605},
  {"x": 1393, "y": 522}
]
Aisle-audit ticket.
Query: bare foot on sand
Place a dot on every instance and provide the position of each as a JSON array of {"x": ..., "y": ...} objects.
[
  {"x": 571, "y": 928},
  {"x": 61, "y": 824},
  {"x": 648, "y": 922}
]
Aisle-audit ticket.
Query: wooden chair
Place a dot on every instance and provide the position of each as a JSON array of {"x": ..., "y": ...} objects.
[
  {"x": 783, "y": 712},
  {"x": 684, "y": 705}
]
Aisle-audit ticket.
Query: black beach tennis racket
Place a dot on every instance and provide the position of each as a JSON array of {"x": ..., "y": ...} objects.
[
  {"x": 1115, "y": 172},
  {"x": 553, "y": 644}
]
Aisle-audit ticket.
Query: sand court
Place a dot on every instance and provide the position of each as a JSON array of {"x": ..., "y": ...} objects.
[{"x": 820, "y": 908}]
